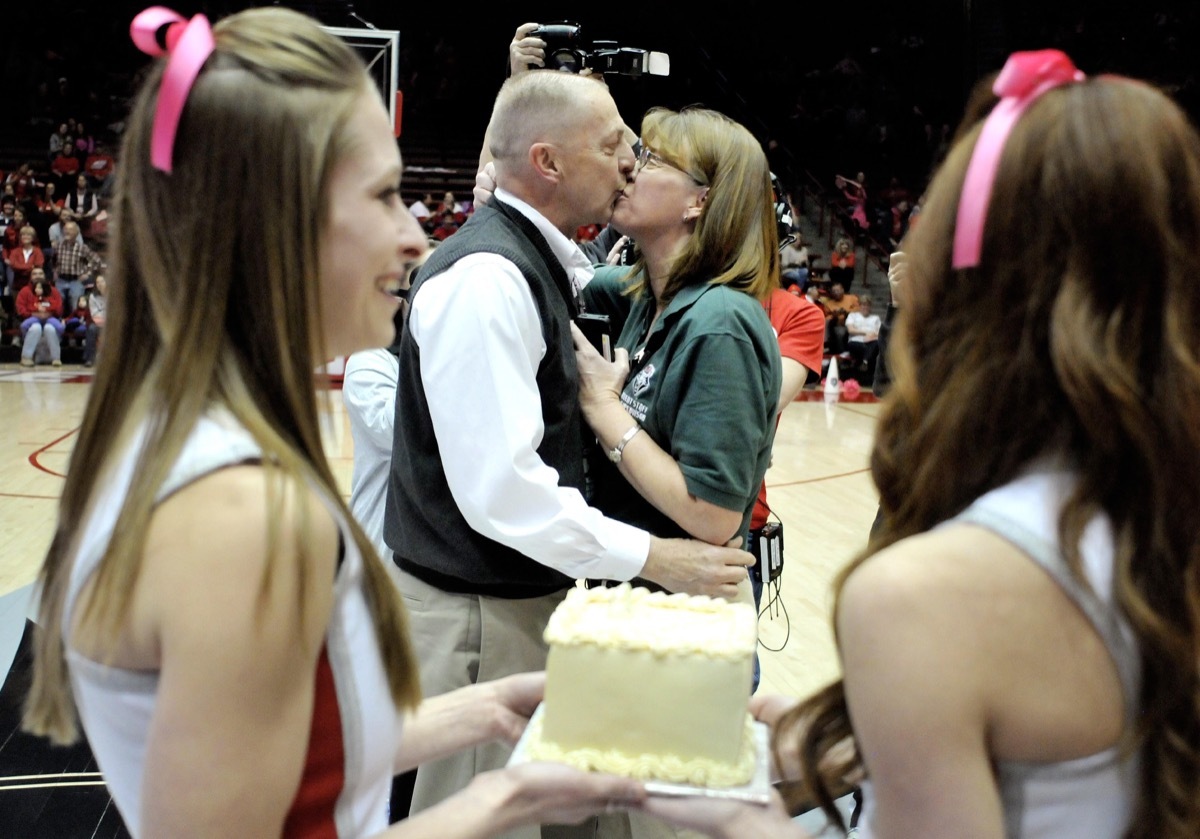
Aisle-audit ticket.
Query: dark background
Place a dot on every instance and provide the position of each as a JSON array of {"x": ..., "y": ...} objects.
[{"x": 770, "y": 65}]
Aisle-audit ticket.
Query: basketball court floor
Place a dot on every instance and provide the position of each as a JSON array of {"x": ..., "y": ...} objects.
[{"x": 819, "y": 487}]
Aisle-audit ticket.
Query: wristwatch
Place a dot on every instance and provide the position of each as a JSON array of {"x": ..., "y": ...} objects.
[{"x": 615, "y": 453}]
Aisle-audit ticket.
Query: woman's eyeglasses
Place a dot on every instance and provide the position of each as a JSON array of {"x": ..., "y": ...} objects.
[{"x": 646, "y": 157}]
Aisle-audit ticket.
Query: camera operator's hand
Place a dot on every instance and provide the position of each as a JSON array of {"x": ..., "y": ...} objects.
[
  {"x": 526, "y": 51},
  {"x": 485, "y": 184}
]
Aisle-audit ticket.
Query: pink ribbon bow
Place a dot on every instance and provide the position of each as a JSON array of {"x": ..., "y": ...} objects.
[
  {"x": 1025, "y": 77},
  {"x": 189, "y": 44}
]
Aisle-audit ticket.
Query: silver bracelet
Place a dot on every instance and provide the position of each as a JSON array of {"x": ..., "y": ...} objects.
[{"x": 615, "y": 453}]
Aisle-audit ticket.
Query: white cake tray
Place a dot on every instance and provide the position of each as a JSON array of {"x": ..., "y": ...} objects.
[{"x": 758, "y": 791}]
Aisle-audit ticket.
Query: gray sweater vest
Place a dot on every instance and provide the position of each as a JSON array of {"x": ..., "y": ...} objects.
[{"x": 423, "y": 526}]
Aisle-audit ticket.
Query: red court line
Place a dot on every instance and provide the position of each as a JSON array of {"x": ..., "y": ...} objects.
[
  {"x": 35, "y": 497},
  {"x": 817, "y": 480},
  {"x": 36, "y": 463}
]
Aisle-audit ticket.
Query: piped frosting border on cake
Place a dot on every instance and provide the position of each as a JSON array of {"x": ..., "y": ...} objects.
[
  {"x": 701, "y": 772},
  {"x": 591, "y": 616}
]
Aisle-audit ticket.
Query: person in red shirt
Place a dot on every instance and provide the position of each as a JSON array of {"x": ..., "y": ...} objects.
[
  {"x": 39, "y": 306},
  {"x": 23, "y": 258},
  {"x": 799, "y": 325},
  {"x": 66, "y": 165}
]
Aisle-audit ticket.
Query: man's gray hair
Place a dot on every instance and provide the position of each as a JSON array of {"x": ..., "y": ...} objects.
[{"x": 538, "y": 106}]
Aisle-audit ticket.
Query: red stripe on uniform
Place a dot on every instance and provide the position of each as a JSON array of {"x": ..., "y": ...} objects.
[{"x": 311, "y": 815}]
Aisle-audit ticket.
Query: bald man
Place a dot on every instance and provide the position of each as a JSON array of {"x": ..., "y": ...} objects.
[{"x": 486, "y": 515}]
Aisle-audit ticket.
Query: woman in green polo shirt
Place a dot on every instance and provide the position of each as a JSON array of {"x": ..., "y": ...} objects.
[{"x": 697, "y": 367}]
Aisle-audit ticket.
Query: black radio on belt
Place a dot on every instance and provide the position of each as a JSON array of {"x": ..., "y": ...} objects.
[{"x": 768, "y": 551}]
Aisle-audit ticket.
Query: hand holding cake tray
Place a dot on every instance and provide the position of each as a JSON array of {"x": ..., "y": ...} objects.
[{"x": 654, "y": 687}]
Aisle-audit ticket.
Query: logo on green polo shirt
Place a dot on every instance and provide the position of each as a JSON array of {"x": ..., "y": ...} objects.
[{"x": 642, "y": 380}]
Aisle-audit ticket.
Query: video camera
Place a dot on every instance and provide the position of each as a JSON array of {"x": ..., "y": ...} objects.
[{"x": 566, "y": 50}]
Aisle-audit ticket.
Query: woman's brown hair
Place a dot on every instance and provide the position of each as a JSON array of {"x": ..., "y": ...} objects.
[
  {"x": 736, "y": 239},
  {"x": 214, "y": 301},
  {"x": 1076, "y": 335}
]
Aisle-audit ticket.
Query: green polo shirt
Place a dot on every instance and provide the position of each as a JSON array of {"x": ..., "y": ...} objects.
[{"x": 703, "y": 383}]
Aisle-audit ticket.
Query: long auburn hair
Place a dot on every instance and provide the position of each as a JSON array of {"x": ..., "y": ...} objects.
[
  {"x": 736, "y": 239},
  {"x": 1077, "y": 334},
  {"x": 214, "y": 301}
]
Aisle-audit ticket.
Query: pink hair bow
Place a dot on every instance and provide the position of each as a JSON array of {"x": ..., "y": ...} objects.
[
  {"x": 188, "y": 45},
  {"x": 1025, "y": 77}
]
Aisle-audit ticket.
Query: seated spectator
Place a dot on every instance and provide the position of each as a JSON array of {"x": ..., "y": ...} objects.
[
  {"x": 447, "y": 224},
  {"x": 66, "y": 163},
  {"x": 837, "y": 305},
  {"x": 841, "y": 263},
  {"x": 83, "y": 202},
  {"x": 8, "y": 213},
  {"x": 22, "y": 259},
  {"x": 421, "y": 209},
  {"x": 48, "y": 203},
  {"x": 12, "y": 230},
  {"x": 85, "y": 144},
  {"x": 40, "y": 307},
  {"x": 99, "y": 167},
  {"x": 450, "y": 205},
  {"x": 23, "y": 183},
  {"x": 793, "y": 263},
  {"x": 97, "y": 303},
  {"x": 863, "y": 330},
  {"x": 76, "y": 262},
  {"x": 813, "y": 295},
  {"x": 57, "y": 140},
  {"x": 56, "y": 229}
]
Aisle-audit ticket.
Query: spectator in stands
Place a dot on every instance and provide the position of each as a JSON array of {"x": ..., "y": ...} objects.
[
  {"x": 446, "y": 226},
  {"x": 841, "y": 263},
  {"x": 97, "y": 301},
  {"x": 76, "y": 322},
  {"x": 66, "y": 163},
  {"x": 56, "y": 229},
  {"x": 450, "y": 205},
  {"x": 8, "y": 209},
  {"x": 23, "y": 259},
  {"x": 75, "y": 263},
  {"x": 48, "y": 203},
  {"x": 40, "y": 308},
  {"x": 57, "y": 141},
  {"x": 793, "y": 261},
  {"x": 12, "y": 232},
  {"x": 83, "y": 202},
  {"x": 99, "y": 168},
  {"x": 856, "y": 194},
  {"x": 23, "y": 182},
  {"x": 863, "y": 330},
  {"x": 837, "y": 305},
  {"x": 85, "y": 143},
  {"x": 422, "y": 209}
]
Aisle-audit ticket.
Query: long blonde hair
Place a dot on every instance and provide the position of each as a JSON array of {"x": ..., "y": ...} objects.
[
  {"x": 214, "y": 300},
  {"x": 736, "y": 239}
]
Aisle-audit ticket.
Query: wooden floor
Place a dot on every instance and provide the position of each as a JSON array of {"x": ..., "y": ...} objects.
[{"x": 818, "y": 486}]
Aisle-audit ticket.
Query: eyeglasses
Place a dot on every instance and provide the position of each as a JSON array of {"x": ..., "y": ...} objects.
[{"x": 645, "y": 156}]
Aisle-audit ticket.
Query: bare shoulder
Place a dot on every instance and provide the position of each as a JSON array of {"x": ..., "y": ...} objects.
[
  {"x": 236, "y": 551},
  {"x": 958, "y": 573}
]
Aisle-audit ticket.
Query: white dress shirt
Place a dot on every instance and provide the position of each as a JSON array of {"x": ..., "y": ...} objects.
[
  {"x": 481, "y": 343},
  {"x": 369, "y": 393}
]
